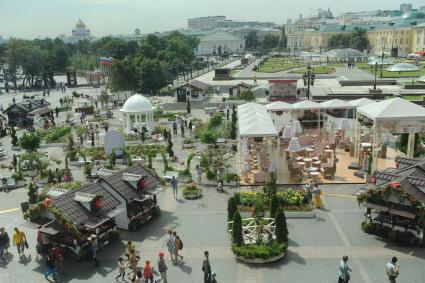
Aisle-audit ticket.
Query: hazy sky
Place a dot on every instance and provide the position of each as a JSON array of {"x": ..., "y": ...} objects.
[{"x": 33, "y": 18}]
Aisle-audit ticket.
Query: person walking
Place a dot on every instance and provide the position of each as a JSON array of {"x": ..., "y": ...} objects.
[
  {"x": 93, "y": 249},
  {"x": 343, "y": 275},
  {"x": 148, "y": 272},
  {"x": 178, "y": 247},
  {"x": 162, "y": 267},
  {"x": 171, "y": 244},
  {"x": 206, "y": 268},
  {"x": 57, "y": 256},
  {"x": 199, "y": 173},
  {"x": 132, "y": 262},
  {"x": 182, "y": 128},
  {"x": 121, "y": 269},
  {"x": 174, "y": 185},
  {"x": 316, "y": 196},
  {"x": 51, "y": 269},
  {"x": 190, "y": 126},
  {"x": 2, "y": 243},
  {"x": 175, "y": 128},
  {"x": 19, "y": 240},
  {"x": 6, "y": 240},
  {"x": 393, "y": 270},
  {"x": 57, "y": 112},
  {"x": 4, "y": 184}
]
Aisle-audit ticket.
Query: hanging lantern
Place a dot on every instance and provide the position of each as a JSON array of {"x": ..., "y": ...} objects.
[
  {"x": 395, "y": 184},
  {"x": 98, "y": 203},
  {"x": 47, "y": 201}
]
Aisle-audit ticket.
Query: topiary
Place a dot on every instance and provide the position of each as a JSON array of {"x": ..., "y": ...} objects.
[
  {"x": 32, "y": 194},
  {"x": 231, "y": 208},
  {"x": 237, "y": 229},
  {"x": 274, "y": 204},
  {"x": 281, "y": 229}
]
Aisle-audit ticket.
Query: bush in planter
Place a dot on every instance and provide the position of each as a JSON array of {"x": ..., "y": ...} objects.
[
  {"x": 281, "y": 229},
  {"x": 32, "y": 194},
  {"x": 188, "y": 141},
  {"x": 231, "y": 207},
  {"x": 191, "y": 191},
  {"x": 30, "y": 141},
  {"x": 237, "y": 229},
  {"x": 259, "y": 251}
]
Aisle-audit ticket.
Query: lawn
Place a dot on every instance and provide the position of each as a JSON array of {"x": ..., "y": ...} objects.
[
  {"x": 388, "y": 74},
  {"x": 413, "y": 97},
  {"x": 278, "y": 64},
  {"x": 316, "y": 70}
]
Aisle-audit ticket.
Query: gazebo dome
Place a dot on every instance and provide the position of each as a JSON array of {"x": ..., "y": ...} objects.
[{"x": 137, "y": 104}]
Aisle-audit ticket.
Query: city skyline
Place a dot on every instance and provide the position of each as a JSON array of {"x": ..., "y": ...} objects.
[{"x": 49, "y": 18}]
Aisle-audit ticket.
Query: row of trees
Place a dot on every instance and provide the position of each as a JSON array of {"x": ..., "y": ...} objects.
[
  {"x": 269, "y": 42},
  {"x": 356, "y": 39},
  {"x": 144, "y": 66}
]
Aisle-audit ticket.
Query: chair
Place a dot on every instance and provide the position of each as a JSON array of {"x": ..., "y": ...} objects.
[{"x": 329, "y": 172}]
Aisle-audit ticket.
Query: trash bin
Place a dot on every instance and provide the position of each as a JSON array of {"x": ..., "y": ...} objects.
[{"x": 25, "y": 206}]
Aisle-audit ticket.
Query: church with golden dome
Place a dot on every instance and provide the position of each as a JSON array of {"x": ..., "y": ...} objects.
[{"x": 79, "y": 32}]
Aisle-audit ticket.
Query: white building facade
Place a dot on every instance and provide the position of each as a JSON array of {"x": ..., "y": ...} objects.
[{"x": 220, "y": 43}]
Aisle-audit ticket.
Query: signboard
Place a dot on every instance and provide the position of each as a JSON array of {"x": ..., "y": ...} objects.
[
  {"x": 114, "y": 140},
  {"x": 283, "y": 90}
]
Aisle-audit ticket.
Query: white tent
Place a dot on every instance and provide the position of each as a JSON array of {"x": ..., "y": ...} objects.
[
  {"x": 254, "y": 121},
  {"x": 278, "y": 106},
  {"x": 361, "y": 102},
  {"x": 306, "y": 105},
  {"x": 421, "y": 79},
  {"x": 335, "y": 104},
  {"x": 393, "y": 109}
]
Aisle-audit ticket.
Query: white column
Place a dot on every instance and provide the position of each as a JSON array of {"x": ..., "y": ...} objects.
[
  {"x": 411, "y": 145},
  {"x": 124, "y": 121},
  {"x": 128, "y": 123},
  {"x": 375, "y": 148}
]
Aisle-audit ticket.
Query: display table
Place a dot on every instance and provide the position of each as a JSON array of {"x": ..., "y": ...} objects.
[
  {"x": 328, "y": 153},
  {"x": 307, "y": 161},
  {"x": 315, "y": 175},
  {"x": 310, "y": 170}
]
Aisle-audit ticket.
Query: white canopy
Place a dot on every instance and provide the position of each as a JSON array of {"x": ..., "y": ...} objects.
[
  {"x": 361, "y": 102},
  {"x": 421, "y": 79},
  {"x": 335, "y": 104},
  {"x": 306, "y": 105},
  {"x": 403, "y": 67},
  {"x": 393, "y": 109},
  {"x": 254, "y": 121},
  {"x": 278, "y": 106}
]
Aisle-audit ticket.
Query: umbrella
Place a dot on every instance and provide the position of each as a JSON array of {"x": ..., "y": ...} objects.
[{"x": 294, "y": 145}]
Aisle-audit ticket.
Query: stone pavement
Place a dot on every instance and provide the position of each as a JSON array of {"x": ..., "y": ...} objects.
[{"x": 316, "y": 245}]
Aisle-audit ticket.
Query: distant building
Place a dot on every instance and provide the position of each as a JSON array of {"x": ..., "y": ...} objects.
[
  {"x": 289, "y": 21},
  {"x": 80, "y": 32},
  {"x": 422, "y": 9},
  {"x": 137, "y": 35},
  {"x": 243, "y": 32},
  {"x": 239, "y": 24},
  {"x": 406, "y": 7},
  {"x": 137, "y": 31},
  {"x": 220, "y": 43},
  {"x": 204, "y": 23}
]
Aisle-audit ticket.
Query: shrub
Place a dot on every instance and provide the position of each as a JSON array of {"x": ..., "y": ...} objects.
[
  {"x": 190, "y": 191},
  {"x": 170, "y": 146},
  {"x": 14, "y": 137},
  {"x": 231, "y": 207},
  {"x": 30, "y": 141},
  {"x": 259, "y": 251},
  {"x": 229, "y": 177},
  {"x": 281, "y": 230},
  {"x": 247, "y": 95},
  {"x": 274, "y": 204},
  {"x": 237, "y": 229},
  {"x": 56, "y": 134},
  {"x": 215, "y": 121},
  {"x": 32, "y": 194}
]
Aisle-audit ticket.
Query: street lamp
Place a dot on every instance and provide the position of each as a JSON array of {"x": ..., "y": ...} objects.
[
  {"x": 308, "y": 79},
  {"x": 376, "y": 70}
]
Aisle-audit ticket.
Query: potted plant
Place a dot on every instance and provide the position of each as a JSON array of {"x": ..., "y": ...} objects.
[
  {"x": 192, "y": 192},
  {"x": 231, "y": 179},
  {"x": 188, "y": 143}
]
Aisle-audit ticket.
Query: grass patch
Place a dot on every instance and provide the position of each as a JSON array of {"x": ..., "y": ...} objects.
[
  {"x": 277, "y": 64},
  {"x": 387, "y": 74},
  {"x": 316, "y": 70},
  {"x": 413, "y": 97}
]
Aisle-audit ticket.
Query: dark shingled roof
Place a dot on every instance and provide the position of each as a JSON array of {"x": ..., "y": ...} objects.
[
  {"x": 127, "y": 190},
  {"x": 410, "y": 186},
  {"x": 77, "y": 213},
  {"x": 29, "y": 105},
  {"x": 406, "y": 161}
]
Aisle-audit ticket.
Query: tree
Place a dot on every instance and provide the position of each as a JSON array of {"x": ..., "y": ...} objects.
[
  {"x": 104, "y": 98},
  {"x": 32, "y": 194},
  {"x": 152, "y": 75},
  {"x": 270, "y": 41},
  {"x": 30, "y": 141},
  {"x": 123, "y": 76},
  {"x": 251, "y": 40},
  {"x": 272, "y": 183},
  {"x": 356, "y": 39},
  {"x": 170, "y": 146},
  {"x": 234, "y": 122},
  {"x": 231, "y": 208},
  {"x": 281, "y": 229},
  {"x": 237, "y": 229},
  {"x": 209, "y": 137},
  {"x": 274, "y": 204},
  {"x": 247, "y": 95},
  {"x": 215, "y": 121},
  {"x": 188, "y": 107},
  {"x": 14, "y": 137}
]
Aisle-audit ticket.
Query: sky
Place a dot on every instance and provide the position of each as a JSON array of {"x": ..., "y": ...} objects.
[{"x": 50, "y": 18}]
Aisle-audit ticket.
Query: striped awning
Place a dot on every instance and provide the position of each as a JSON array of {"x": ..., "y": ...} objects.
[
  {"x": 131, "y": 177},
  {"x": 105, "y": 172},
  {"x": 56, "y": 192},
  {"x": 84, "y": 197}
]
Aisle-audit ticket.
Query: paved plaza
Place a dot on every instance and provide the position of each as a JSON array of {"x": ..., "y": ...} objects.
[{"x": 315, "y": 247}]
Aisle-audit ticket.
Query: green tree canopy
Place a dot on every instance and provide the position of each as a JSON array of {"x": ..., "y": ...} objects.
[{"x": 356, "y": 39}]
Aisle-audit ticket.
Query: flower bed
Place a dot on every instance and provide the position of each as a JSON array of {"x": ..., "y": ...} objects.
[
  {"x": 192, "y": 192},
  {"x": 56, "y": 134},
  {"x": 259, "y": 251},
  {"x": 290, "y": 200}
]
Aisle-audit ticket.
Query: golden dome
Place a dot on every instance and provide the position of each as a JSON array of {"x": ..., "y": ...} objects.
[{"x": 80, "y": 24}]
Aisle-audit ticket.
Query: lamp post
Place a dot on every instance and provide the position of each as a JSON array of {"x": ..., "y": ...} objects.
[
  {"x": 308, "y": 79},
  {"x": 382, "y": 62},
  {"x": 376, "y": 70}
]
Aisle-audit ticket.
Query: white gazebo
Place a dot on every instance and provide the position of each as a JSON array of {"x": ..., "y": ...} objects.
[
  {"x": 395, "y": 116},
  {"x": 140, "y": 110}
]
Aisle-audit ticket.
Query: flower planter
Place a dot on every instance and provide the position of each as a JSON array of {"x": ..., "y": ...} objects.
[
  {"x": 192, "y": 195},
  {"x": 188, "y": 145},
  {"x": 185, "y": 179},
  {"x": 260, "y": 260}
]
